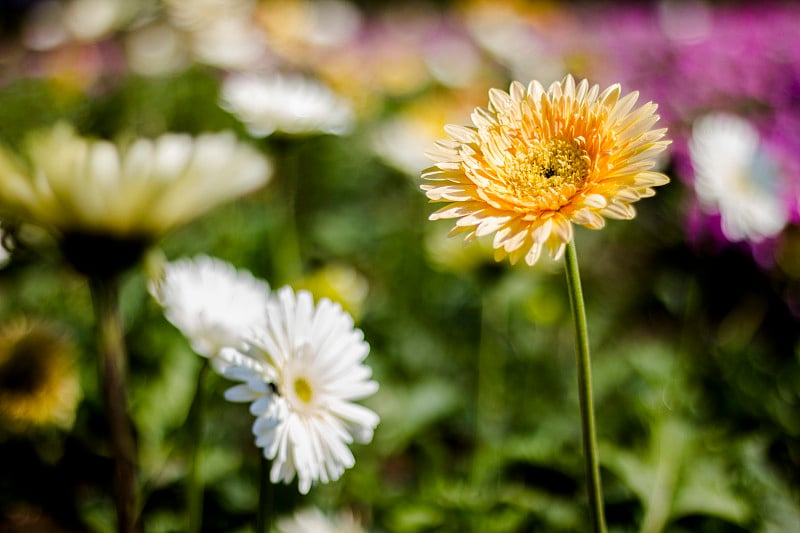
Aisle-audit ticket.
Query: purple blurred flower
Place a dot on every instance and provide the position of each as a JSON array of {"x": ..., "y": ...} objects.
[{"x": 693, "y": 59}]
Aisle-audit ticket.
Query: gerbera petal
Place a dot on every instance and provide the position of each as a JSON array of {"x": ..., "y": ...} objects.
[{"x": 533, "y": 253}]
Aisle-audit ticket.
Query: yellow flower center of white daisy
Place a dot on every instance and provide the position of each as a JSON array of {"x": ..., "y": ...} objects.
[
  {"x": 302, "y": 389},
  {"x": 547, "y": 166}
]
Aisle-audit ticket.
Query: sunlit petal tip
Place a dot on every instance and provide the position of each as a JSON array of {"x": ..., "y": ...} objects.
[
  {"x": 533, "y": 253},
  {"x": 463, "y": 134},
  {"x": 597, "y": 201},
  {"x": 499, "y": 100},
  {"x": 541, "y": 232},
  {"x": 562, "y": 229},
  {"x": 557, "y": 251},
  {"x": 535, "y": 90},
  {"x": 517, "y": 92}
]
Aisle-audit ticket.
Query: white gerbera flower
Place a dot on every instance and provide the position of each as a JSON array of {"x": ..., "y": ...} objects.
[
  {"x": 211, "y": 302},
  {"x": 736, "y": 178},
  {"x": 302, "y": 371},
  {"x": 292, "y": 104}
]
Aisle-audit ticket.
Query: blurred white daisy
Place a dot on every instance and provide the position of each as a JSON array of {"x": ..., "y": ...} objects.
[
  {"x": 312, "y": 520},
  {"x": 92, "y": 193},
  {"x": 288, "y": 103},
  {"x": 155, "y": 49},
  {"x": 221, "y": 33},
  {"x": 230, "y": 43},
  {"x": 302, "y": 371},
  {"x": 211, "y": 302},
  {"x": 734, "y": 177},
  {"x": 198, "y": 14},
  {"x": 52, "y": 23}
]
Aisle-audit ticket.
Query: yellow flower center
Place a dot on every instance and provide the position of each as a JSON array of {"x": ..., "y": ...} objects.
[
  {"x": 553, "y": 165},
  {"x": 303, "y": 390}
]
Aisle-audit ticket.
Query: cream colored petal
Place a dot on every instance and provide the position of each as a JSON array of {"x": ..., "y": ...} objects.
[
  {"x": 619, "y": 211},
  {"x": 535, "y": 91},
  {"x": 517, "y": 92},
  {"x": 542, "y": 232},
  {"x": 533, "y": 253},
  {"x": 499, "y": 100},
  {"x": 650, "y": 179},
  {"x": 556, "y": 249},
  {"x": 473, "y": 218},
  {"x": 454, "y": 211},
  {"x": 453, "y": 193},
  {"x": 562, "y": 229},
  {"x": 597, "y": 201},
  {"x": 490, "y": 224},
  {"x": 609, "y": 98},
  {"x": 588, "y": 218},
  {"x": 621, "y": 107},
  {"x": 510, "y": 237},
  {"x": 462, "y": 134},
  {"x": 483, "y": 118}
]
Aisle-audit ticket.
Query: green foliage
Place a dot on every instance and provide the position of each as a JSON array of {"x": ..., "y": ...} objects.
[{"x": 696, "y": 381}]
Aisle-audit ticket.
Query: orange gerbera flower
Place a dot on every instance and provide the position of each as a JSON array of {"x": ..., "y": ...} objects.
[{"x": 537, "y": 161}]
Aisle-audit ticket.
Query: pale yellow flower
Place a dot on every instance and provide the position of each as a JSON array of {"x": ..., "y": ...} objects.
[
  {"x": 536, "y": 161},
  {"x": 105, "y": 203},
  {"x": 72, "y": 184},
  {"x": 38, "y": 380}
]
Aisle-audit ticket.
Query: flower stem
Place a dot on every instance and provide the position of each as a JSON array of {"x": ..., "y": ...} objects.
[
  {"x": 194, "y": 490},
  {"x": 105, "y": 297},
  {"x": 585, "y": 389},
  {"x": 265, "y": 497},
  {"x": 288, "y": 263}
]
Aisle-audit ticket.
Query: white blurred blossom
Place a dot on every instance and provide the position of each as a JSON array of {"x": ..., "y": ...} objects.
[
  {"x": 735, "y": 177},
  {"x": 288, "y": 103},
  {"x": 211, "y": 302}
]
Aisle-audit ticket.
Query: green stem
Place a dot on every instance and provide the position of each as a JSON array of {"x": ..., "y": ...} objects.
[
  {"x": 265, "y": 497},
  {"x": 585, "y": 389},
  {"x": 288, "y": 264},
  {"x": 105, "y": 297},
  {"x": 194, "y": 491}
]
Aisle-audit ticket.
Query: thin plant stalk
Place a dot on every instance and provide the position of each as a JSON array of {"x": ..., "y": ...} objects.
[
  {"x": 591, "y": 456},
  {"x": 288, "y": 264},
  {"x": 113, "y": 359},
  {"x": 265, "y": 497},
  {"x": 194, "y": 490}
]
